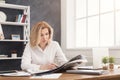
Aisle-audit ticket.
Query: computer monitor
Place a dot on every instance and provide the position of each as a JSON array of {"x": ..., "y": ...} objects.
[{"x": 98, "y": 54}]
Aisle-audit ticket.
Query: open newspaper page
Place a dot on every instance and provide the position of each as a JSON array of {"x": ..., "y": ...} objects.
[{"x": 71, "y": 63}]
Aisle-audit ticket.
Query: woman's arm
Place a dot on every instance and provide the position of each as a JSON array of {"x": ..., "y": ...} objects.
[
  {"x": 60, "y": 56},
  {"x": 26, "y": 60}
]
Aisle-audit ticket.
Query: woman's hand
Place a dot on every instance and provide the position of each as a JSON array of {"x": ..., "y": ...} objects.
[{"x": 48, "y": 66}]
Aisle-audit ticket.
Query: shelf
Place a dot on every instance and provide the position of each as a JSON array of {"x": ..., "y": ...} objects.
[
  {"x": 6, "y": 58},
  {"x": 9, "y": 40},
  {"x": 13, "y": 6},
  {"x": 13, "y": 23},
  {"x": 14, "y": 27}
]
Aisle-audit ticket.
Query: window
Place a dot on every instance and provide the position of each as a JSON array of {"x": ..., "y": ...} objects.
[{"x": 92, "y": 23}]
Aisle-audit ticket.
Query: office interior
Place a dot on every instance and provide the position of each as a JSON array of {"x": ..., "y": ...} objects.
[{"x": 55, "y": 13}]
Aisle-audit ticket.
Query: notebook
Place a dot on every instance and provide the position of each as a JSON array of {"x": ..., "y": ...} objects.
[{"x": 87, "y": 68}]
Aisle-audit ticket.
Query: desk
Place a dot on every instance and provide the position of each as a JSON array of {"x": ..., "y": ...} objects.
[{"x": 112, "y": 75}]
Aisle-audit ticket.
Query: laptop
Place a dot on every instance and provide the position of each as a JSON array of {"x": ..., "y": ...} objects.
[{"x": 98, "y": 54}]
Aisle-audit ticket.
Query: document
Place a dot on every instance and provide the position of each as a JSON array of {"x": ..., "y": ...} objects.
[
  {"x": 48, "y": 76},
  {"x": 17, "y": 73}
]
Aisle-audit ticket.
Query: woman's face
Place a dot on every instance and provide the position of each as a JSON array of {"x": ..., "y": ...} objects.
[{"x": 44, "y": 36}]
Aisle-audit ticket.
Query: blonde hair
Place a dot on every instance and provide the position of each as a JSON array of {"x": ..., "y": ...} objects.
[{"x": 36, "y": 32}]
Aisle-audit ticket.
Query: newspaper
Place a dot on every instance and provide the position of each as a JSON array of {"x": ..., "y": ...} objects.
[{"x": 68, "y": 65}]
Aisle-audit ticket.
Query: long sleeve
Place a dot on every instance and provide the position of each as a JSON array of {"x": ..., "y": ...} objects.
[
  {"x": 26, "y": 60},
  {"x": 60, "y": 56}
]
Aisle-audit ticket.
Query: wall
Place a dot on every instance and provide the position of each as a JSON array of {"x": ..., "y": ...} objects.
[{"x": 43, "y": 10}]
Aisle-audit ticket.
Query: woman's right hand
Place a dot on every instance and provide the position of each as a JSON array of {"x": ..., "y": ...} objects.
[{"x": 48, "y": 66}]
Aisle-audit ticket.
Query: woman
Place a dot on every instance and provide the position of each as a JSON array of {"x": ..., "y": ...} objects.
[{"x": 41, "y": 53}]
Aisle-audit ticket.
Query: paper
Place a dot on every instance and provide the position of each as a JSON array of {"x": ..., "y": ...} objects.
[
  {"x": 48, "y": 76},
  {"x": 18, "y": 73},
  {"x": 35, "y": 71}
]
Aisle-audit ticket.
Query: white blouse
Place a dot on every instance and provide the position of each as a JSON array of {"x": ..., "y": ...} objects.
[{"x": 34, "y": 57}]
